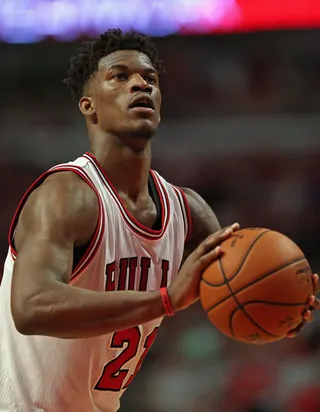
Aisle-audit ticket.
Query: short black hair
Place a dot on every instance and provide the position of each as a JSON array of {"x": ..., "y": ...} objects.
[{"x": 85, "y": 63}]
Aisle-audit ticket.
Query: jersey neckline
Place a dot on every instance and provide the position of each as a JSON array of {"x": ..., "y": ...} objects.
[{"x": 129, "y": 219}]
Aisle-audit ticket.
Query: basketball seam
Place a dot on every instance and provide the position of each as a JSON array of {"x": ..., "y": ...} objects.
[
  {"x": 249, "y": 317},
  {"x": 251, "y": 283},
  {"x": 239, "y": 307},
  {"x": 241, "y": 264},
  {"x": 266, "y": 302}
]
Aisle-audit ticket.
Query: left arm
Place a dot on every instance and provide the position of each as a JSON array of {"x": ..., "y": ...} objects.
[
  {"x": 201, "y": 249},
  {"x": 204, "y": 221}
]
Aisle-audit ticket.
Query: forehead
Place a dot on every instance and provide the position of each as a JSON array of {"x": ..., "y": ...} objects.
[{"x": 130, "y": 58}]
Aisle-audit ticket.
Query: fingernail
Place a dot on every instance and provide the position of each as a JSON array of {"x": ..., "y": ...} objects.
[
  {"x": 235, "y": 225},
  {"x": 312, "y": 299},
  {"x": 218, "y": 249},
  {"x": 228, "y": 231}
]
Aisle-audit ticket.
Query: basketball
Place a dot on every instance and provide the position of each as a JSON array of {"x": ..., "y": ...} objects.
[{"x": 257, "y": 290}]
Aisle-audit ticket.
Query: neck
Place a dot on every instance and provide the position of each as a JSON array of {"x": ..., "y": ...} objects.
[{"x": 126, "y": 167}]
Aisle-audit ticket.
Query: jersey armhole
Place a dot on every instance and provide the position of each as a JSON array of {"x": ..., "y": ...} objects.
[
  {"x": 96, "y": 239},
  {"x": 186, "y": 213}
]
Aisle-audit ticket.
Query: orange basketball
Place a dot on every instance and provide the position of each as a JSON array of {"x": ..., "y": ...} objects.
[{"x": 256, "y": 292}]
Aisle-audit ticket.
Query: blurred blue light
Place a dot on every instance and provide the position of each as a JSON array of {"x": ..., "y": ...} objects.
[{"x": 68, "y": 19}]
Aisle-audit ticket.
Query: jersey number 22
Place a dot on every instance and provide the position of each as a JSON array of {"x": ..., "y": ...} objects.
[{"x": 114, "y": 374}]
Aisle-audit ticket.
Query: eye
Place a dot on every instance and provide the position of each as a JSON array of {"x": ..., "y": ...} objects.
[
  {"x": 151, "y": 79},
  {"x": 120, "y": 76}
]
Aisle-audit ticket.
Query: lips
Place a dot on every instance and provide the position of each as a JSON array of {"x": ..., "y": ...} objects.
[{"x": 142, "y": 101}]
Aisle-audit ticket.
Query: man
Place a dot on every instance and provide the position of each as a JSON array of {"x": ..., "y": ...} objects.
[{"x": 96, "y": 246}]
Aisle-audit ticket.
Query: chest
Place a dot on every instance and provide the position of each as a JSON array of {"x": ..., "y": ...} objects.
[
  {"x": 135, "y": 262},
  {"x": 147, "y": 213},
  {"x": 127, "y": 259},
  {"x": 133, "y": 252}
]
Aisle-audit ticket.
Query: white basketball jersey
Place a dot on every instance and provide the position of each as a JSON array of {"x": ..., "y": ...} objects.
[{"x": 40, "y": 373}]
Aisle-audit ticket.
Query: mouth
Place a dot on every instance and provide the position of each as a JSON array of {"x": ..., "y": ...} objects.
[{"x": 143, "y": 104}]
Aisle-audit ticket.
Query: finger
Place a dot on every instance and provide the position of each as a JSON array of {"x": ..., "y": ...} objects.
[
  {"x": 315, "y": 304},
  {"x": 315, "y": 282},
  {"x": 216, "y": 239},
  {"x": 213, "y": 241},
  {"x": 224, "y": 233},
  {"x": 315, "y": 279},
  {"x": 235, "y": 227},
  {"x": 204, "y": 261},
  {"x": 311, "y": 300},
  {"x": 294, "y": 332},
  {"x": 308, "y": 316}
]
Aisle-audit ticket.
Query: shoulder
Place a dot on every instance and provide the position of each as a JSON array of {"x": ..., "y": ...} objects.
[
  {"x": 204, "y": 220},
  {"x": 68, "y": 192},
  {"x": 68, "y": 187},
  {"x": 201, "y": 212},
  {"x": 63, "y": 204}
]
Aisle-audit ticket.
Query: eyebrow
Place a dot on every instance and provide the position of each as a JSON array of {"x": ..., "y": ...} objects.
[{"x": 124, "y": 67}]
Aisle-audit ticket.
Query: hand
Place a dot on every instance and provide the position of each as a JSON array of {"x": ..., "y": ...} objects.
[
  {"x": 184, "y": 290},
  {"x": 314, "y": 303}
]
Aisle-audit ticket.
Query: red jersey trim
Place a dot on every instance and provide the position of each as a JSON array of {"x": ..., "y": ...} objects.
[
  {"x": 186, "y": 213},
  {"x": 131, "y": 222},
  {"x": 98, "y": 233}
]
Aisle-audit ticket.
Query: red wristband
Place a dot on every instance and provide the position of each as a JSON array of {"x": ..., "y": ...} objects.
[{"x": 166, "y": 302}]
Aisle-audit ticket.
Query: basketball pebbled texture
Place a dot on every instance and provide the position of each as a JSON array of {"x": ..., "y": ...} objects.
[{"x": 257, "y": 290}]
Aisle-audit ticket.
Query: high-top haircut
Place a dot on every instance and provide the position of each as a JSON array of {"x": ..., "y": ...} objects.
[{"x": 85, "y": 64}]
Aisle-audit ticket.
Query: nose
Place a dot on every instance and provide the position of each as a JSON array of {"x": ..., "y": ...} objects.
[{"x": 140, "y": 85}]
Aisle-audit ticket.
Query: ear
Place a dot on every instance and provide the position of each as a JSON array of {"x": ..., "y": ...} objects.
[{"x": 86, "y": 106}]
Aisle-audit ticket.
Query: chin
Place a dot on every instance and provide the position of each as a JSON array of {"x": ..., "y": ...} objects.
[
  {"x": 143, "y": 131},
  {"x": 141, "y": 134}
]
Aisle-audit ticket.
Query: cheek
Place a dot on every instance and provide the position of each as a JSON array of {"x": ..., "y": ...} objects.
[
  {"x": 159, "y": 100},
  {"x": 115, "y": 99},
  {"x": 121, "y": 100},
  {"x": 108, "y": 104}
]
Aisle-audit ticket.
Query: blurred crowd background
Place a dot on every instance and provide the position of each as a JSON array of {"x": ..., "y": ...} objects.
[{"x": 240, "y": 125}]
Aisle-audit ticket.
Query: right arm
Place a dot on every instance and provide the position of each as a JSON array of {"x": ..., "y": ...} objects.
[
  {"x": 58, "y": 216},
  {"x": 61, "y": 214}
]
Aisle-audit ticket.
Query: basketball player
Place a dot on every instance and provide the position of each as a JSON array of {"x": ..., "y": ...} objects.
[{"x": 96, "y": 246}]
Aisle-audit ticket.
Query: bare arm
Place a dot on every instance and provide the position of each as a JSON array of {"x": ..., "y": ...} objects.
[
  {"x": 204, "y": 221},
  {"x": 200, "y": 251},
  {"x": 59, "y": 215}
]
